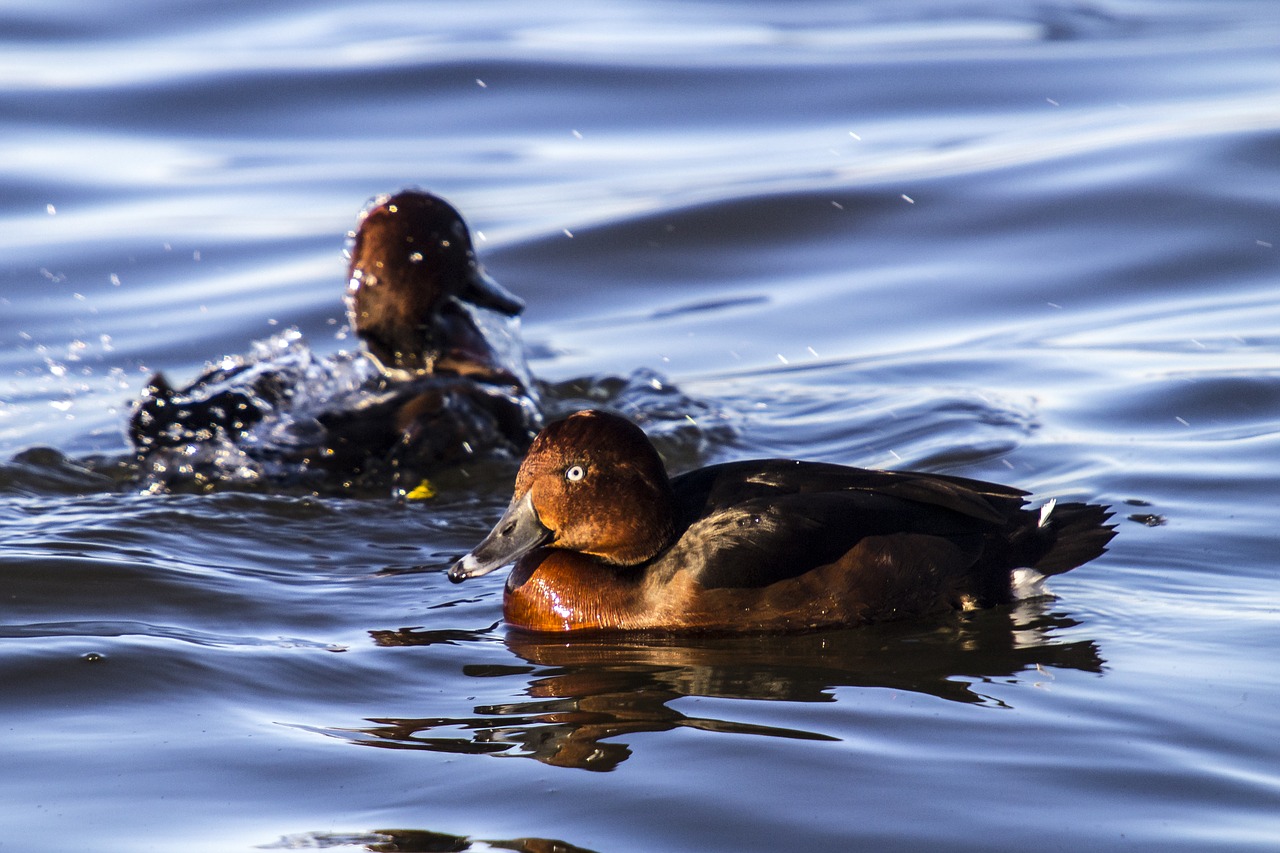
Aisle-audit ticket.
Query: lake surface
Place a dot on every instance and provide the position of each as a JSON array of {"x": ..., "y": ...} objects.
[{"x": 1037, "y": 243}]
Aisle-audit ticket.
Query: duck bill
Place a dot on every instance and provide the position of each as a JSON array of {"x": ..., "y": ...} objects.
[
  {"x": 517, "y": 533},
  {"x": 483, "y": 291}
]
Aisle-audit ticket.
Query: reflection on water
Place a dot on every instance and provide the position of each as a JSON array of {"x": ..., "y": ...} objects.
[
  {"x": 418, "y": 841},
  {"x": 585, "y": 693}
]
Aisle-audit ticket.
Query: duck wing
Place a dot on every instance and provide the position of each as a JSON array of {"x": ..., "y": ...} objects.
[{"x": 752, "y": 524}]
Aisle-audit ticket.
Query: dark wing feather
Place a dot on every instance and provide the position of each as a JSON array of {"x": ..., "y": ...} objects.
[
  {"x": 725, "y": 485},
  {"x": 760, "y": 541}
]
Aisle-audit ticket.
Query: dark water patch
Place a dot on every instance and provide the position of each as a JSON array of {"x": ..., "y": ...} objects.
[
  {"x": 136, "y": 629},
  {"x": 701, "y": 243},
  {"x": 416, "y": 841},
  {"x": 44, "y": 471},
  {"x": 1203, "y": 406},
  {"x": 825, "y": 411}
]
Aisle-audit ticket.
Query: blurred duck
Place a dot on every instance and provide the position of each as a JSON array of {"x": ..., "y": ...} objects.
[
  {"x": 603, "y": 540},
  {"x": 442, "y": 376},
  {"x": 412, "y": 277}
]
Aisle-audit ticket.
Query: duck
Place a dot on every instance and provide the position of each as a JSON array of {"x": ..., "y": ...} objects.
[
  {"x": 440, "y": 375},
  {"x": 603, "y": 540}
]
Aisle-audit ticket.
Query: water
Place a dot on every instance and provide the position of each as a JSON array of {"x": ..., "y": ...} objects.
[{"x": 1030, "y": 242}]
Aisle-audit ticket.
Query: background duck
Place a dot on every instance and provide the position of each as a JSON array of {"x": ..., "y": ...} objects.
[
  {"x": 442, "y": 375},
  {"x": 602, "y": 539}
]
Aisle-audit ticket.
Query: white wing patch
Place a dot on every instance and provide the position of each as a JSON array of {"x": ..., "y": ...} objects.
[{"x": 1046, "y": 510}]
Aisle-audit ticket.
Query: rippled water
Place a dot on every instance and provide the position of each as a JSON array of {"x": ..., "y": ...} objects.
[{"x": 1030, "y": 242}]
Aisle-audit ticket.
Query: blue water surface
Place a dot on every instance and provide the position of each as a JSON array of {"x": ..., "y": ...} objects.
[{"x": 1032, "y": 242}]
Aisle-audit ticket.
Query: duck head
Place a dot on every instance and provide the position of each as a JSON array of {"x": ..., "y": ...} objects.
[
  {"x": 591, "y": 483},
  {"x": 413, "y": 282}
]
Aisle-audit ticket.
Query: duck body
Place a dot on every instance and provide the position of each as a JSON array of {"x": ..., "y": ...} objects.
[{"x": 757, "y": 546}]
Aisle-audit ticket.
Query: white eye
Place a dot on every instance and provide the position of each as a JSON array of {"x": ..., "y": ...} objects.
[{"x": 574, "y": 474}]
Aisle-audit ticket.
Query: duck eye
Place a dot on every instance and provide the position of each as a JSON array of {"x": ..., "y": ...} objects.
[{"x": 574, "y": 474}]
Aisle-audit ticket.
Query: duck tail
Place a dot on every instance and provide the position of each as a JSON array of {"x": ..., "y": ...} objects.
[{"x": 1076, "y": 534}]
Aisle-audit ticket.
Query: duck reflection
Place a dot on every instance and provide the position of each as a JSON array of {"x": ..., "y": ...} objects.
[
  {"x": 420, "y": 841},
  {"x": 584, "y": 694}
]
